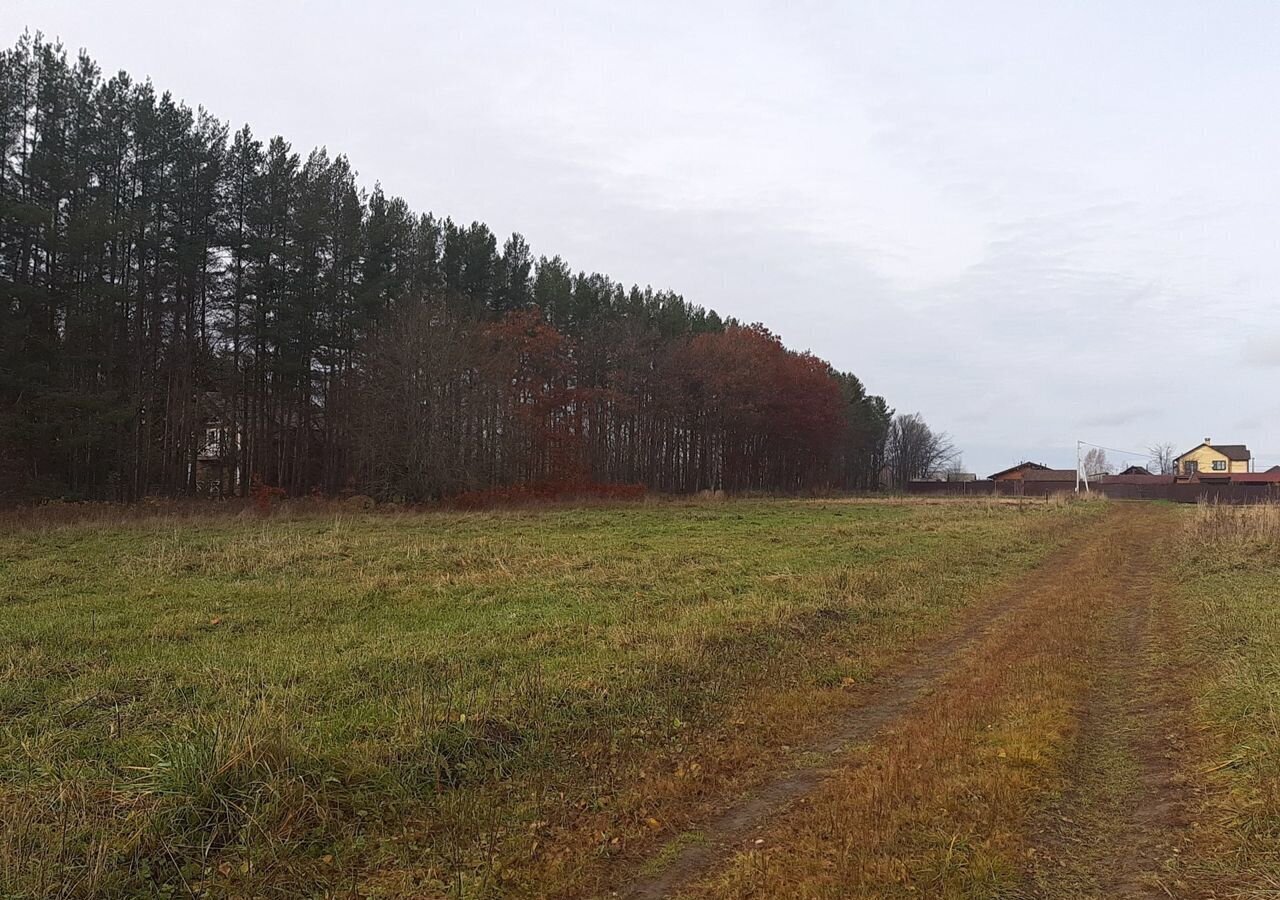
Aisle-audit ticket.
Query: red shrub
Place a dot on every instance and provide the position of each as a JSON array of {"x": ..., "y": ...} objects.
[{"x": 264, "y": 495}]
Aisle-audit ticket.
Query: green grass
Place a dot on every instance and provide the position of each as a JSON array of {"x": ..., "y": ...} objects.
[
  {"x": 430, "y": 702},
  {"x": 672, "y": 849}
]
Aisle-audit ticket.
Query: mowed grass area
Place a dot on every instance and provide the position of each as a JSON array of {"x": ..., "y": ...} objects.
[
  {"x": 443, "y": 703},
  {"x": 1228, "y": 560}
]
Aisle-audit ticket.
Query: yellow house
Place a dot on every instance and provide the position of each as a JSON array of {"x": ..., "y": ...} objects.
[{"x": 1211, "y": 459}]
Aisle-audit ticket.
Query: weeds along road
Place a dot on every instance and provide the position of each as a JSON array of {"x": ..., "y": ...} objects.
[{"x": 1031, "y": 752}]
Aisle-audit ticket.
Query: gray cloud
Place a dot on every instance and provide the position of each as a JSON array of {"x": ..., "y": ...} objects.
[
  {"x": 1117, "y": 417},
  {"x": 1262, "y": 350}
]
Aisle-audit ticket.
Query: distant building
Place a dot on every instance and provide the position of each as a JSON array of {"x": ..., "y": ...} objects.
[
  {"x": 962, "y": 476},
  {"x": 1271, "y": 476},
  {"x": 1209, "y": 460},
  {"x": 1018, "y": 472},
  {"x": 218, "y": 443},
  {"x": 1136, "y": 470}
]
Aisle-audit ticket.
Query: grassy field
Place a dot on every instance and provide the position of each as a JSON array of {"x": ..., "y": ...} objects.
[
  {"x": 962, "y": 795},
  {"x": 1116, "y": 733},
  {"x": 1228, "y": 560},
  {"x": 462, "y": 704}
]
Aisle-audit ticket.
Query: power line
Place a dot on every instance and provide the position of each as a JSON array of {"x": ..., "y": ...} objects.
[
  {"x": 1082, "y": 475},
  {"x": 1117, "y": 450}
]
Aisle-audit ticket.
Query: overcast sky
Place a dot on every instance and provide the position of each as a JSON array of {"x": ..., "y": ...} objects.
[{"x": 1032, "y": 223}]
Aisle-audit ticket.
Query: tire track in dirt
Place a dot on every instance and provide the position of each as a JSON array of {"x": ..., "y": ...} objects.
[
  {"x": 893, "y": 695},
  {"x": 1121, "y": 825}
]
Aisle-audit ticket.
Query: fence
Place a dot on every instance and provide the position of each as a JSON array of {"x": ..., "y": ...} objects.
[{"x": 1183, "y": 492}]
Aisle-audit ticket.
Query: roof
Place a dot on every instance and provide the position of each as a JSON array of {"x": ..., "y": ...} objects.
[
  {"x": 1270, "y": 476},
  {"x": 1022, "y": 465},
  {"x": 1233, "y": 451},
  {"x": 1136, "y": 470},
  {"x": 1237, "y": 452}
]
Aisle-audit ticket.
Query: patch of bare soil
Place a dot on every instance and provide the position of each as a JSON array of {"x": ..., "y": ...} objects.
[{"x": 899, "y": 692}]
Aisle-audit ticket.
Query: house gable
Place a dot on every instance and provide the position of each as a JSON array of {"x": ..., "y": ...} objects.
[{"x": 1213, "y": 459}]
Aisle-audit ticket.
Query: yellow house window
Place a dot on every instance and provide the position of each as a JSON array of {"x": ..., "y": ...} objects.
[{"x": 1219, "y": 465}]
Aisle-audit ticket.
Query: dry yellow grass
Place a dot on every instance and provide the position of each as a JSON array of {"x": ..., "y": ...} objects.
[{"x": 1228, "y": 564}]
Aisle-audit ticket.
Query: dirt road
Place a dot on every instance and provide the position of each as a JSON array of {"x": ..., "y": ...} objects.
[{"x": 1034, "y": 751}]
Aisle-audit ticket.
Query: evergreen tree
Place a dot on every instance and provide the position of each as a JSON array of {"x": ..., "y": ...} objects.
[{"x": 183, "y": 311}]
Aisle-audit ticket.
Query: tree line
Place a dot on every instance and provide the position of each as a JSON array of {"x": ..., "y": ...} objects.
[{"x": 187, "y": 309}]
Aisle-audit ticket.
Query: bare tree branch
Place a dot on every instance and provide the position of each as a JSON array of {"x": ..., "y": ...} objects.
[
  {"x": 913, "y": 450},
  {"x": 1162, "y": 458}
]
